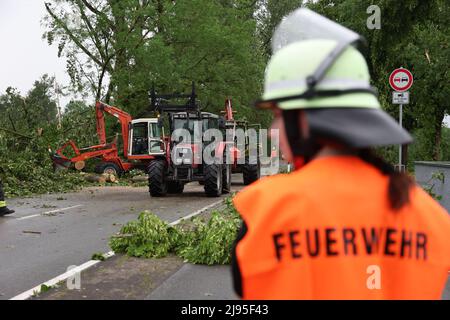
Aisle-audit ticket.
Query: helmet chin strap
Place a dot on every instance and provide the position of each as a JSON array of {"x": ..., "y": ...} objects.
[{"x": 303, "y": 149}]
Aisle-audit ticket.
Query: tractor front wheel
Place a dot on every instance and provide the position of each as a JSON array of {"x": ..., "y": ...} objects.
[
  {"x": 251, "y": 173},
  {"x": 213, "y": 180},
  {"x": 157, "y": 184}
]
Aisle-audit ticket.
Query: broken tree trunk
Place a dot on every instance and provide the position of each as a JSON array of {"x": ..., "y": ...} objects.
[
  {"x": 118, "y": 236},
  {"x": 139, "y": 178},
  {"x": 109, "y": 177},
  {"x": 95, "y": 178},
  {"x": 79, "y": 165}
]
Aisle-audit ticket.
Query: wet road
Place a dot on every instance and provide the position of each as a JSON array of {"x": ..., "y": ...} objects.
[{"x": 52, "y": 232}]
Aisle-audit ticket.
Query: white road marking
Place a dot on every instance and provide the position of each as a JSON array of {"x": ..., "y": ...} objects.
[
  {"x": 63, "y": 277},
  {"x": 29, "y": 217},
  {"x": 49, "y": 212},
  {"x": 29, "y": 293},
  {"x": 196, "y": 213}
]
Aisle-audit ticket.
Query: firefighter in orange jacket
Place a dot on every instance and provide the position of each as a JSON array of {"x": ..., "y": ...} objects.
[{"x": 345, "y": 224}]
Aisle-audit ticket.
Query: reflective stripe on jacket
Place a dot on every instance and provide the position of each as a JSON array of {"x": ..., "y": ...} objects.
[{"x": 2, "y": 196}]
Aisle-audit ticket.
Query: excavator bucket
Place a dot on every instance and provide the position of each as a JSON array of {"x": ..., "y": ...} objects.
[{"x": 59, "y": 163}]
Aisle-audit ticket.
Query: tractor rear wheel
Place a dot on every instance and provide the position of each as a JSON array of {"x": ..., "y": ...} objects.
[
  {"x": 213, "y": 180},
  {"x": 109, "y": 168},
  {"x": 175, "y": 187},
  {"x": 157, "y": 184},
  {"x": 251, "y": 173}
]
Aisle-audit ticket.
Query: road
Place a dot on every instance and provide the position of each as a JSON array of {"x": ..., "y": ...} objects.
[
  {"x": 38, "y": 242},
  {"x": 196, "y": 282}
]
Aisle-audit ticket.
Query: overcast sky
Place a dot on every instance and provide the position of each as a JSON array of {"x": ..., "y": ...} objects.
[{"x": 24, "y": 56}]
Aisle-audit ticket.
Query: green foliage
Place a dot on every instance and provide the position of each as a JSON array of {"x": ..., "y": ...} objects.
[
  {"x": 136, "y": 172},
  {"x": 26, "y": 177},
  {"x": 28, "y": 126},
  {"x": 211, "y": 243},
  {"x": 445, "y": 144},
  {"x": 29, "y": 170},
  {"x": 200, "y": 242},
  {"x": 133, "y": 44},
  {"x": 115, "y": 50},
  {"x": 98, "y": 256},
  {"x": 148, "y": 237},
  {"x": 36, "y": 109},
  {"x": 414, "y": 35},
  {"x": 45, "y": 288},
  {"x": 438, "y": 177},
  {"x": 269, "y": 15}
]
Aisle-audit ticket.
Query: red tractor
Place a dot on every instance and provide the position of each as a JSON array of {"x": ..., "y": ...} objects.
[
  {"x": 142, "y": 142},
  {"x": 246, "y": 159},
  {"x": 182, "y": 161}
]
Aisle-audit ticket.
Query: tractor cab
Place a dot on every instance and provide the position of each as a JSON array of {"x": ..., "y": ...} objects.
[
  {"x": 196, "y": 124},
  {"x": 146, "y": 137},
  {"x": 185, "y": 120}
]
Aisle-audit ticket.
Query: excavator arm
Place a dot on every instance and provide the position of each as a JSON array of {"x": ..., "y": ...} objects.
[
  {"x": 123, "y": 117},
  {"x": 104, "y": 150},
  {"x": 228, "y": 110}
]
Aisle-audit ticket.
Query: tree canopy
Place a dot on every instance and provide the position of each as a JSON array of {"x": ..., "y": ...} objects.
[
  {"x": 413, "y": 34},
  {"x": 119, "y": 49}
]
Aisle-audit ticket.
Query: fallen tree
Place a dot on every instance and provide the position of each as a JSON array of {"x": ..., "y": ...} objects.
[
  {"x": 101, "y": 179},
  {"x": 196, "y": 241}
]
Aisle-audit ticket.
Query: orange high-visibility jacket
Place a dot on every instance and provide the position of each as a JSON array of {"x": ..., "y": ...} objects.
[{"x": 327, "y": 232}]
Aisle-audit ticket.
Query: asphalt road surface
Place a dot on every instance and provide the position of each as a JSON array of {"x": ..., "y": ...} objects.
[
  {"x": 52, "y": 232},
  {"x": 197, "y": 282}
]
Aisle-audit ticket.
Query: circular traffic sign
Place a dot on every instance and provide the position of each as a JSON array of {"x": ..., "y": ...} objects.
[{"x": 401, "y": 79}]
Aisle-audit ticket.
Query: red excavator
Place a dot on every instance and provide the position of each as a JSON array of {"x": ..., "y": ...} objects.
[{"x": 142, "y": 142}]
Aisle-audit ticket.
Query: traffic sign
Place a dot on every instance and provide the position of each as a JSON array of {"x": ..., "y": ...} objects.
[
  {"x": 400, "y": 97},
  {"x": 401, "y": 80}
]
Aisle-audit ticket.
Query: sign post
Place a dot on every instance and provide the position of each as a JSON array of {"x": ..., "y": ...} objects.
[
  {"x": 400, "y": 162},
  {"x": 401, "y": 81}
]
